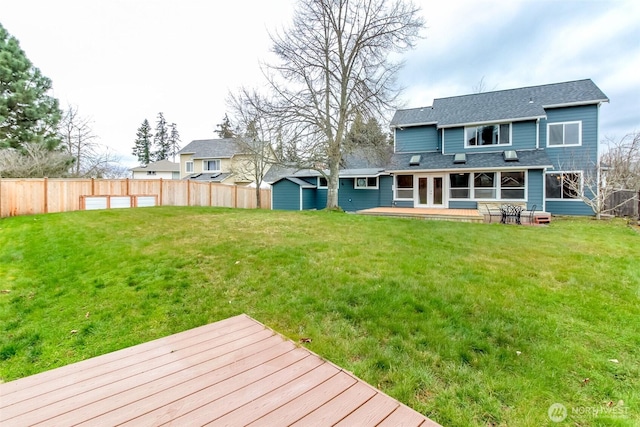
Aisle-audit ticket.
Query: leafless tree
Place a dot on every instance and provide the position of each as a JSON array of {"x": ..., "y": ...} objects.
[
  {"x": 338, "y": 58},
  {"x": 622, "y": 161},
  {"x": 253, "y": 136},
  {"x": 91, "y": 159},
  {"x": 618, "y": 168},
  {"x": 34, "y": 160}
]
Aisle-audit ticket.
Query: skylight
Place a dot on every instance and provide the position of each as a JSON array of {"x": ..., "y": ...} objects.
[
  {"x": 415, "y": 160},
  {"x": 510, "y": 155},
  {"x": 460, "y": 158}
]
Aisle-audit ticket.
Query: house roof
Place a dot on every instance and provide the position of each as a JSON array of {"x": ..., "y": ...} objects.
[
  {"x": 221, "y": 148},
  {"x": 208, "y": 177},
  {"x": 512, "y": 104},
  {"x": 527, "y": 159},
  {"x": 232, "y": 372},
  {"x": 302, "y": 183},
  {"x": 159, "y": 166}
]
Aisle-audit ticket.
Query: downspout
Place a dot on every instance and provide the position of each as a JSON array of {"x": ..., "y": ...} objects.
[
  {"x": 301, "y": 205},
  {"x": 544, "y": 190}
]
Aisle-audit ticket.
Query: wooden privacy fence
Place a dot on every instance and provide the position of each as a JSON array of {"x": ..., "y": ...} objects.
[
  {"x": 626, "y": 203},
  {"x": 48, "y": 195}
]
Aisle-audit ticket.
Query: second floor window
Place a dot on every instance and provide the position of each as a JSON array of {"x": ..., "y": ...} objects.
[
  {"x": 211, "y": 165},
  {"x": 188, "y": 167},
  {"x": 478, "y": 136},
  {"x": 559, "y": 134}
]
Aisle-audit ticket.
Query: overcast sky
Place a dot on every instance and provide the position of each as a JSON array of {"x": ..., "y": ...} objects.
[{"x": 121, "y": 61}]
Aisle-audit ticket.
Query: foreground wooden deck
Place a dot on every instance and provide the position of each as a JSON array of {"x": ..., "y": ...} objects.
[{"x": 232, "y": 372}]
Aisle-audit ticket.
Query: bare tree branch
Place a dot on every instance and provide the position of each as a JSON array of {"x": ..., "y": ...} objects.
[{"x": 335, "y": 61}]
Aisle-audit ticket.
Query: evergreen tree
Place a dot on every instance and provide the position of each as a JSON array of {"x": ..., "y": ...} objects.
[
  {"x": 225, "y": 129},
  {"x": 365, "y": 134},
  {"x": 161, "y": 140},
  {"x": 142, "y": 145},
  {"x": 174, "y": 141},
  {"x": 27, "y": 113}
]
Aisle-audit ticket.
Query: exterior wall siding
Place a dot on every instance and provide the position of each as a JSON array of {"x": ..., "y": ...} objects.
[
  {"x": 535, "y": 186},
  {"x": 453, "y": 141},
  {"x": 572, "y": 158},
  {"x": 351, "y": 199},
  {"x": 285, "y": 195},
  {"x": 309, "y": 198},
  {"x": 568, "y": 207},
  {"x": 463, "y": 204},
  {"x": 416, "y": 139},
  {"x": 583, "y": 157},
  {"x": 523, "y": 135}
]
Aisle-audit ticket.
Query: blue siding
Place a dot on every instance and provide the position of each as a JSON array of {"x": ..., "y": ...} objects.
[
  {"x": 309, "y": 198},
  {"x": 569, "y": 207},
  {"x": 321, "y": 198},
  {"x": 417, "y": 139},
  {"x": 463, "y": 204},
  {"x": 351, "y": 199},
  {"x": 535, "y": 186},
  {"x": 286, "y": 195},
  {"x": 453, "y": 141},
  {"x": 404, "y": 204},
  {"x": 386, "y": 191},
  {"x": 573, "y": 158},
  {"x": 523, "y": 135}
]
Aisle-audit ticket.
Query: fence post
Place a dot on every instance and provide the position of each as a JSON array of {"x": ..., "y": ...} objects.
[
  {"x": 127, "y": 187},
  {"x": 46, "y": 194},
  {"x": 93, "y": 187}
]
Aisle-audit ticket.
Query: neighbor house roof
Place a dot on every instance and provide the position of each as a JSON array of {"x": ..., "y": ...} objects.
[
  {"x": 512, "y": 104},
  {"x": 159, "y": 166},
  {"x": 222, "y": 148},
  {"x": 529, "y": 159},
  {"x": 208, "y": 176}
]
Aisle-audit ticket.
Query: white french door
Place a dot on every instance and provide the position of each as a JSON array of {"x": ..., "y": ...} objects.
[{"x": 429, "y": 193}]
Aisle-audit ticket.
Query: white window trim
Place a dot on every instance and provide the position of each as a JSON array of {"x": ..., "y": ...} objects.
[
  {"x": 322, "y": 186},
  {"x": 367, "y": 186},
  {"x": 497, "y": 187},
  {"x": 186, "y": 166},
  {"x": 395, "y": 188},
  {"x": 205, "y": 164},
  {"x": 466, "y": 142},
  {"x": 579, "y": 122},
  {"x": 562, "y": 199}
]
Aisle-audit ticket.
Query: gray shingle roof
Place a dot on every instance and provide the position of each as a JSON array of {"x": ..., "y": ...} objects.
[
  {"x": 159, "y": 166},
  {"x": 512, "y": 104},
  {"x": 529, "y": 159},
  {"x": 208, "y": 177},
  {"x": 223, "y": 148},
  {"x": 298, "y": 181}
]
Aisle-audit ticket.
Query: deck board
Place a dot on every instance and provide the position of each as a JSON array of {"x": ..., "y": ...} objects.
[{"x": 232, "y": 372}]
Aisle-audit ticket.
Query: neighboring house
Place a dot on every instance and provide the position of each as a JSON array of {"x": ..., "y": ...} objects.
[
  {"x": 519, "y": 146},
  {"x": 164, "y": 169},
  {"x": 217, "y": 160}
]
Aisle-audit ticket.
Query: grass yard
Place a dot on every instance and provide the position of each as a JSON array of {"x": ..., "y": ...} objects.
[{"x": 470, "y": 324}]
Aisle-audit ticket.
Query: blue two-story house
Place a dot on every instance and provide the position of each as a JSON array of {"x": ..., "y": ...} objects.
[{"x": 526, "y": 146}]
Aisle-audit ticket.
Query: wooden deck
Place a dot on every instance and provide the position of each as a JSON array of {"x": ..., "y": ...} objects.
[
  {"x": 232, "y": 372},
  {"x": 460, "y": 215}
]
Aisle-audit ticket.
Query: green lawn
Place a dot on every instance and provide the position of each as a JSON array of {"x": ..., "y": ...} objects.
[{"x": 470, "y": 324}]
